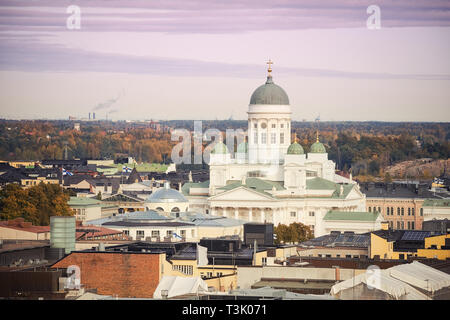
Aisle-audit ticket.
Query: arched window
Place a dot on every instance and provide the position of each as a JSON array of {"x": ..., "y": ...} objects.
[
  {"x": 392, "y": 211},
  {"x": 370, "y": 209},
  {"x": 403, "y": 211},
  {"x": 398, "y": 212},
  {"x": 159, "y": 209},
  {"x": 409, "y": 212},
  {"x": 175, "y": 209}
]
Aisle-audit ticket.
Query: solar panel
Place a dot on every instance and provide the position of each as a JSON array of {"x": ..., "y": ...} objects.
[{"x": 415, "y": 235}]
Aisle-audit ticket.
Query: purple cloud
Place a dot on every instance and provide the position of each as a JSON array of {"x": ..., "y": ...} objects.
[
  {"x": 39, "y": 57},
  {"x": 182, "y": 16}
]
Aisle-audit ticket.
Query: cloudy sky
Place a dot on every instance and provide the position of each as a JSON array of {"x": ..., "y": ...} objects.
[{"x": 148, "y": 59}]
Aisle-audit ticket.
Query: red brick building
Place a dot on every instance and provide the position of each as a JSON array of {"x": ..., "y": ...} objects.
[{"x": 125, "y": 274}]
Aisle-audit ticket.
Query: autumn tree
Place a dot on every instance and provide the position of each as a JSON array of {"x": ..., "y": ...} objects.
[
  {"x": 35, "y": 204},
  {"x": 295, "y": 232}
]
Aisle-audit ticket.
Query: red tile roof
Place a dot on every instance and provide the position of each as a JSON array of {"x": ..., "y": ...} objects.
[
  {"x": 20, "y": 224},
  {"x": 95, "y": 231}
]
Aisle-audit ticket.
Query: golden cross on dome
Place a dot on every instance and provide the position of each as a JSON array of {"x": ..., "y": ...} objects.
[
  {"x": 317, "y": 136},
  {"x": 270, "y": 66},
  {"x": 295, "y": 136}
]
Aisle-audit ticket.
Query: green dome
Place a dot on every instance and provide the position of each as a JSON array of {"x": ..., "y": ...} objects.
[
  {"x": 242, "y": 147},
  {"x": 295, "y": 148},
  {"x": 269, "y": 93},
  {"x": 220, "y": 148},
  {"x": 318, "y": 147}
]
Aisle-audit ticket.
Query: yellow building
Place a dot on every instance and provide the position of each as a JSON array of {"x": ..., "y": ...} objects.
[
  {"x": 18, "y": 164},
  {"x": 404, "y": 244},
  {"x": 30, "y": 182}
]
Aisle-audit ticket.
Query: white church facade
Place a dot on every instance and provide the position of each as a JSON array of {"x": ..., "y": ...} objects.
[{"x": 270, "y": 179}]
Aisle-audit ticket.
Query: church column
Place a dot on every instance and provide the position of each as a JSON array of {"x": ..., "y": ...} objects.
[
  {"x": 236, "y": 213},
  {"x": 224, "y": 212},
  {"x": 250, "y": 214},
  {"x": 263, "y": 215}
]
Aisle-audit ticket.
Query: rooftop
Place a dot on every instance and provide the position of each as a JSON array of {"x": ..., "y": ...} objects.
[
  {"x": 20, "y": 224},
  {"x": 351, "y": 216}
]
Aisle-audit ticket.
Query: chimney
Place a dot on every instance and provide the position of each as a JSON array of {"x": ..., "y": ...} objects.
[{"x": 337, "y": 273}]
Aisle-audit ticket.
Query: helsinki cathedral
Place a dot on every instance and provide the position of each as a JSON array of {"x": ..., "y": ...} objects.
[{"x": 270, "y": 179}]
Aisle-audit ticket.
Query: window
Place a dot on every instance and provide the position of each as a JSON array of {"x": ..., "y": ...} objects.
[
  {"x": 398, "y": 224},
  {"x": 398, "y": 211},
  {"x": 169, "y": 233},
  {"x": 328, "y": 256},
  {"x": 281, "y": 126},
  {"x": 273, "y": 138},
  {"x": 293, "y": 214},
  {"x": 263, "y": 138},
  {"x": 139, "y": 233},
  {"x": 403, "y": 225},
  {"x": 274, "y": 125},
  {"x": 413, "y": 211},
  {"x": 409, "y": 211},
  {"x": 379, "y": 209},
  {"x": 209, "y": 274},
  {"x": 281, "y": 138},
  {"x": 370, "y": 209},
  {"x": 348, "y": 256},
  {"x": 311, "y": 213},
  {"x": 126, "y": 232},
  {"x": 412, "y": 225},
  {"x": 264, "y": 261},
  {"x": 403, "y": 211},
  {"x": 409, "y": 225},
  {"x": 183, "y": 233},
  {"x": 155, "y": 233},
  {"x": 255, "y": 139},
  {"x": 255, "y": 126},
  {"x": 219, "y": 274},
  {"x": 392, "y": 211},
  {"x": 421, "y": 211}
]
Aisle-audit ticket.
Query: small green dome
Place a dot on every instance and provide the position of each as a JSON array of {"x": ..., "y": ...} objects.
[
  {"x": 269, "y": 93},
  {"x": 220, "y": 148},
  {"x": 242, "y": 147},
  {"x": 318, "y": 147},
  {"x": 295, "y": 148}
]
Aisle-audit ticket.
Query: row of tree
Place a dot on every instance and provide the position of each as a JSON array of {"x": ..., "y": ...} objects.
[
  {"x": 35, "y": 204},
  {"x": 366, "y": 147}
]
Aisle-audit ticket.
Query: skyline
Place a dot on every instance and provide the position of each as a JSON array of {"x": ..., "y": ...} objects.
[{"x": 202, "y": 60}]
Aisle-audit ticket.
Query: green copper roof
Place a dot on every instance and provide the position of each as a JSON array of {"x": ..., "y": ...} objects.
[
  {"x": 83, "y": 202},
  {"x": 436, "y": 202},
  {"x": 256, "y": 184},
  {"x": 220, "y": 148},
  {"x": 318, "y": 147},
  {"x": 242, "y": 147},
  {"x": 351, "y": 216},
  {"x": 188, "y": 185},
  {"x": 320, "y": 184},
  {"x": 295, "y": 148},
  {"x": 269, "y": 93}
]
